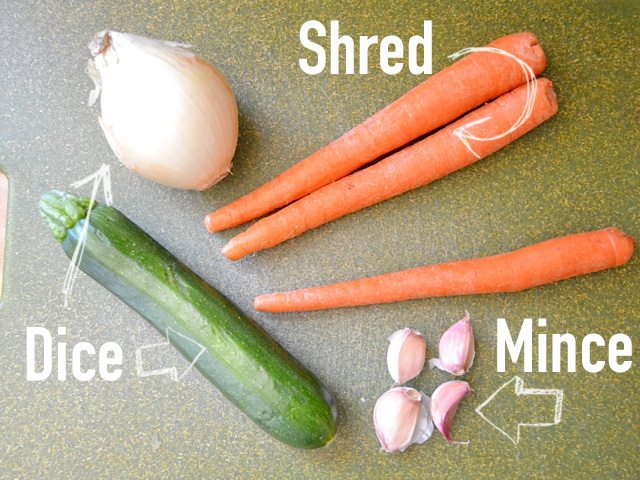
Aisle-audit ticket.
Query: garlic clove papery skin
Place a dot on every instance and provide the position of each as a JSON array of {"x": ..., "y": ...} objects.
[
  {"x": 444, "y": 405},
  {"x": 401, "y": 418},
  {"x": 456, "y": 348},
  {"x": 167, "y": 114},
  {"x": 406, "y": 355}
]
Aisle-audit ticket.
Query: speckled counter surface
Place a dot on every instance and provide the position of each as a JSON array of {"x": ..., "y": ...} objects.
[{"x": 579, "y": 171}]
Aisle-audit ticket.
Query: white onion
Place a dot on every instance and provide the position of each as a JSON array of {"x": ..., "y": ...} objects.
[{"x": 168, "y": 115}]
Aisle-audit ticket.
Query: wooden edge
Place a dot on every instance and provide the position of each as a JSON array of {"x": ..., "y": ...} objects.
[{"x": 4, "y": 200}]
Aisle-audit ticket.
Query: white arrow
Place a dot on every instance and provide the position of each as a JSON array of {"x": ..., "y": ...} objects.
[
  {"x": 171, "y": 371},
  {"x": 463, "y": 133},
  {"x": 520, "y": 390},
  {"x": 102, "y": 175}
]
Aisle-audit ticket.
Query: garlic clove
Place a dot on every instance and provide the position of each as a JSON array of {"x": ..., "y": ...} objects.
[
  {"x": 456, "y": 348},
  {"x": 401, "y": 418},
  {"x": 406, "y": 355},
  {"x": 444, "y": 404},
  {"x": 167, "y": 114}
]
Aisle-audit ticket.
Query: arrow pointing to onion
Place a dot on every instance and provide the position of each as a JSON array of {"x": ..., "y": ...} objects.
[
  {"x": 165, "y": 349},
  {"x": 100, "y": 176},
  {"x": 514, "y": 391}
]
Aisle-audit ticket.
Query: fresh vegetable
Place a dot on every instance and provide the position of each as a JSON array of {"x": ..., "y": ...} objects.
[
  {"x": 437, "y": 101},
  {"x": 406, "y": 355},
  {"x": 539, "y": 264},
  {"x": 401, "y": 418},
  {"x": 456, "y": 348},
  {"x": 250, "y": 368},
  {"x": 432, "y": 158},
  {"x": 444, "y": 405},
  {"x": 168, "y": 115}
]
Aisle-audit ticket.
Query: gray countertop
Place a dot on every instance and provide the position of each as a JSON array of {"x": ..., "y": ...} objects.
[{"x": 577, "y": 172}]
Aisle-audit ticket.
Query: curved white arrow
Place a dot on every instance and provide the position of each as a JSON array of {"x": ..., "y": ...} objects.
[
  {"x": 463, "y": 133},
  {"x": 520, "y": 390}
]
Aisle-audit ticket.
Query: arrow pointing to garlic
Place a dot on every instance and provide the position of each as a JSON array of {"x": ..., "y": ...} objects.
[
  {"x": 513, "y": 390},
  {"x": 165, "y": 349}
]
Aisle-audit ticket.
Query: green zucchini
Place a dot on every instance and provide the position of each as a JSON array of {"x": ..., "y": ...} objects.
[{"x": 249, "y": 367}]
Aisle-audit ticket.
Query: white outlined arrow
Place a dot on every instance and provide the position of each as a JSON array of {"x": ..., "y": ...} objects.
[
  {"x": 171, "y": 371},
  {"x": 102, "y": 175},
  {"x": 463, "y": 133},
  {"x": 520, "y": 390}
]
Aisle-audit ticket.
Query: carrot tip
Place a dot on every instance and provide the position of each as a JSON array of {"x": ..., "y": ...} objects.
[
  {"x": 232, "y": 251},
  {"x": 258, "y": 302},
  {"x": 209, "y": 223},
  {"x": 215, "y": 222},
  {"x": 623, "y": 245},
  {"x": 267, "y": 303},
  {"x": 274, "y": 303}
]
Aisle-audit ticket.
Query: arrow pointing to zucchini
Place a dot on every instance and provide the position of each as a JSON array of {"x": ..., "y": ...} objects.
[
  {"x": 166, "y": 349},
  {"x": 512, "y": 407}
]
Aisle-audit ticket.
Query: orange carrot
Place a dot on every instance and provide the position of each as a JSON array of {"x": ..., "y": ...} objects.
[
  {"x": 528, "y": 267},
  {"x": 443, "y": 97},
  {"x": 430, "y": 159}
]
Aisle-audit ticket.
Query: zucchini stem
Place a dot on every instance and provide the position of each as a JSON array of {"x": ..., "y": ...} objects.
[{"x": 62, "y": 210}]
